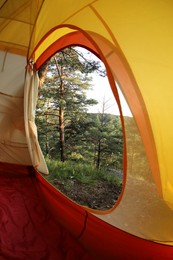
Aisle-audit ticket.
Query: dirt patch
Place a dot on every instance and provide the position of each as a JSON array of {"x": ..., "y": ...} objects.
[{"x": 100, "y": 195}]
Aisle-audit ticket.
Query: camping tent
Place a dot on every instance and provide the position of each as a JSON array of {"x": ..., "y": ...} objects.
[{"x": 134, "y": 39}]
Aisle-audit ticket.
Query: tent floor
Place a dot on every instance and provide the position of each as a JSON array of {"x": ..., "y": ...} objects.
[{"x": 27, "y": 230}]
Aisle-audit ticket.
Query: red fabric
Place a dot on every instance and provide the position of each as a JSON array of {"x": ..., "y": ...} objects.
[
  {"x": 102, "y": 240},
  {"x": 30, "y": 231},
  {"x": 108, "y": 242},
  {"x": 67, "y": 213},
  {"x": 27, "y": 229}
]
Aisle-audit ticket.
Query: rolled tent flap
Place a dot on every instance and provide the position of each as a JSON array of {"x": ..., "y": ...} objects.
[
  {"x": 18, "y": 97},
  {"x": 30, "y": 102}
]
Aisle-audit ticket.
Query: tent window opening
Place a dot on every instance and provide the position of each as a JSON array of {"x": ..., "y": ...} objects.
[{"x": 79, "y": 128}]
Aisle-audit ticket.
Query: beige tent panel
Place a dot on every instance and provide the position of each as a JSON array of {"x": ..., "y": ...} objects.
[{"x": 13, "y": 143}]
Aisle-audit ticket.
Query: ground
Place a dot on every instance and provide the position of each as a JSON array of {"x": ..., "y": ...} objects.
[{"x": 100, "y": 195}]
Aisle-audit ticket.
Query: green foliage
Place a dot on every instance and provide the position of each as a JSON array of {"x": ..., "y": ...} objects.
[
  {"x": 84, "y": 173},
  {"x": 66, "y": 131},
  {"x": 62, "y": 104},
  {"x": 79, "y": 147}
]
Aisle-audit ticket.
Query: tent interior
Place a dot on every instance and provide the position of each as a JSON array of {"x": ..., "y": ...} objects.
[{"x": 134, "y": 39}]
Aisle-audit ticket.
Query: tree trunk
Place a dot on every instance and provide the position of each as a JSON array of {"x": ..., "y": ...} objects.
[
  {"x": 98, "y": 155},
  {"x": 62, "y": 135},
  {"x": 47, "y": 141},
  {"x": 61, "y": 114}
]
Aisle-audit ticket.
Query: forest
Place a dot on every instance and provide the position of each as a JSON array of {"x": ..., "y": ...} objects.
[{"x": 79, "y": 147}]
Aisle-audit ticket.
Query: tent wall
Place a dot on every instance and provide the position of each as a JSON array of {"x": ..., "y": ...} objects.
[
  {"x": 138, "y": 215},
  {"x": 17, "y": 19},
  {"x": 141, "y": 210},
  {"x": 13, "y": 145},
  {"x": 134, "y": 39},
  {"x": 35, "y": 219},
  {"x": 100, "y": 239},
  {"x": 142, "y": 32}
]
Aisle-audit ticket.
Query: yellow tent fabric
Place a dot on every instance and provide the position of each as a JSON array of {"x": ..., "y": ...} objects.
[{"x": 135, "y": 39}]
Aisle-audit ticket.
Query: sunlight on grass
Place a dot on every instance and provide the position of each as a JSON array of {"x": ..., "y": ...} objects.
[{"x": 84, "y": 173}]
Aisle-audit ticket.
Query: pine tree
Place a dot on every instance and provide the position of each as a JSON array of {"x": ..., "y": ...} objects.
[
  {"x": 106, "y": 139},
  {"x": 63, "y": 102}
]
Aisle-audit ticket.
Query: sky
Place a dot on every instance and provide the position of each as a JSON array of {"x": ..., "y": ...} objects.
[{"x": 102, "y": 93}]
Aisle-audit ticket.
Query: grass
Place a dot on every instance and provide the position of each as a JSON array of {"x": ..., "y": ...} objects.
[
  {"x": 84, "y": 173},
  {"x": 97, "y": 189}
]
